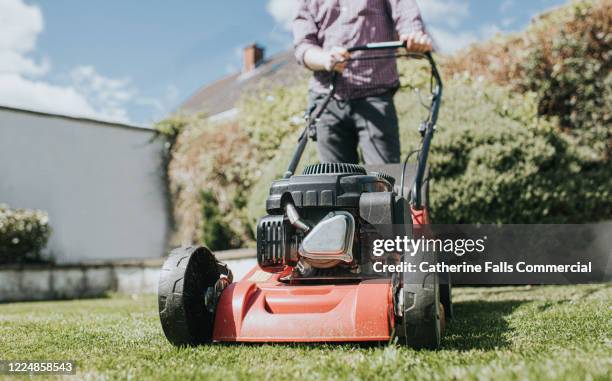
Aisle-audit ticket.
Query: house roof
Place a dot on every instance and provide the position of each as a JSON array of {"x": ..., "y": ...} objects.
[{"x": 221, "y": 96}]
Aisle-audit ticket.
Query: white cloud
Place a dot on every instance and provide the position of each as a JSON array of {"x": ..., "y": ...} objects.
[
  {"x": 109, "y": 95},
  {"x": 449, "y": 41},
  {"x": 449, "y": 12},
  {"x": 13, "y": 62},
  {"x": 506, "y": 22},
  {"x": 20, "y": 24},
  {"x": 442, "y": 18},
  {"x": 445, "y": 16},
  {"x": 17, "y": 91},
  {"x": 490, "y": 30},
  {"x": 506, "y": 5},
  {"x": 161, "y": 105},
  {"x": 87, "y": 92},
  {"x": 283, "y": 11}
]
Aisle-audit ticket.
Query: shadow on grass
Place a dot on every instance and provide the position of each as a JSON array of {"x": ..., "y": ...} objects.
[{"x": 480, "y": 325}]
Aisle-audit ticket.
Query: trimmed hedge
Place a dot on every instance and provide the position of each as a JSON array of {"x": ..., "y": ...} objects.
[
  {"x": 23, "y": 235},
  {"x": 515, "y": 168}
]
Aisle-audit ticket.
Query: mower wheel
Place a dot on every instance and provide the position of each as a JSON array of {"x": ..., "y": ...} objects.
[
  {"x": 185, "y": 278},
  {"x": 420, "y": 325},
  {"x": 446, "y": 295}
]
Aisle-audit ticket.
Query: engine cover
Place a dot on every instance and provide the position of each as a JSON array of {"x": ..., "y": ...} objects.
[
  {"x": 335, "y": 203},
  {"x": 328, "y": 185}
]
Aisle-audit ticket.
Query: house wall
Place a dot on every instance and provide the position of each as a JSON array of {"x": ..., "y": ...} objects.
[{"x": 101, "y": 184}]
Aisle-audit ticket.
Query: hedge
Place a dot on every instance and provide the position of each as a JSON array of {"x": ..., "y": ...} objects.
[
  {"x": 565, "y": 57},
  {"x": 513, "y": 167},
  {"x": 23, "y": 235}
]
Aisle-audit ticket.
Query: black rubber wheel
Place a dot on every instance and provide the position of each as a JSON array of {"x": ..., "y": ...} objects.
[
  {"x": 186, "y": 275},
  {"x": 419, "y": 324},
  {"x": 446, "y": 295}
]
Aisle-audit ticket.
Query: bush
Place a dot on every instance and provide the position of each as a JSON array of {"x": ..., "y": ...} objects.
[
  {"x": 515, "y": 172},
  {"x": 565, "y": 57},
  {"x": 495, "y": 161},
  {"x": 217, "y": 160},
  {"x": 23, "y": 235},
  {"x": 216, "y": 234},
  {"x": 269, "y": 115}
]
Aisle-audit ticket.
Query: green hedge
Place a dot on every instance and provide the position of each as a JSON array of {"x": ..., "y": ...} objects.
[
  {"x": 515, "y": 172},
  {"x": 23, "y": 235}
]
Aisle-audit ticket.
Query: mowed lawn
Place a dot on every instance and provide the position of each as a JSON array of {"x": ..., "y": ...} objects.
[{"x": 504, "y": 333}]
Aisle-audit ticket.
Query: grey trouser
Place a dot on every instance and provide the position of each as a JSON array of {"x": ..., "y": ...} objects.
[{"x": 369, "y": 122}]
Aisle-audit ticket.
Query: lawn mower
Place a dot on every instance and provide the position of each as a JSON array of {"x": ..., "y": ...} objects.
[{"x": 313, "y": 280}]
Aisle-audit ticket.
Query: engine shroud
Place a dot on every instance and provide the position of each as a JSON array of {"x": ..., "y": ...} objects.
[
  {"x": 318, "y": 188},
  {"x": 321, "y": 189}
]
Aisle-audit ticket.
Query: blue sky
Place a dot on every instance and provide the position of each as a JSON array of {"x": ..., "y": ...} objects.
[{"x": 136, "y": 61}]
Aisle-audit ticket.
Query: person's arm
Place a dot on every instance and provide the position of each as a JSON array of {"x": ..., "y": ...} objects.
[
  {"x": 308, "y": 51},
  {"x": 409, "y": 25}
]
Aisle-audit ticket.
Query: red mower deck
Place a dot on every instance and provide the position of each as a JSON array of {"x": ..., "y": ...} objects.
[{"x": 260, "y": 308}]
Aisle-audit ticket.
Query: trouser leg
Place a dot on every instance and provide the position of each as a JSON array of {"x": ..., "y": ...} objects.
[
  {"x": 337, "y": 138},
  {"x": 378, "y": 129}
]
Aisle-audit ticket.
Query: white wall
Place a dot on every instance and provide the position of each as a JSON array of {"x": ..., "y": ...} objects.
[{"x": 100, "y": 183}]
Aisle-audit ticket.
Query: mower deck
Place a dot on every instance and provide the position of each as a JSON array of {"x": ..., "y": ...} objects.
[{"x": 261, "y": 308}]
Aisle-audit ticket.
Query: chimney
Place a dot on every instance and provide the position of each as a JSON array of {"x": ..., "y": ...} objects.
[{"x": 253, "y": 56}]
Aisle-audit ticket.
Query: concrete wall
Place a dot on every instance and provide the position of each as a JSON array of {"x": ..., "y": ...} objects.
[
  {"x": 101, "y": 184},
  {"x": 43, "y": 282}
]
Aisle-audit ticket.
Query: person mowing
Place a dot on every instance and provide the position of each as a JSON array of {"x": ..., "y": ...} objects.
[{"x": 362, "y": 112}]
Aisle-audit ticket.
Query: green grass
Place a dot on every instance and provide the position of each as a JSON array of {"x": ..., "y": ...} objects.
[{"x": 505, "y": 333}]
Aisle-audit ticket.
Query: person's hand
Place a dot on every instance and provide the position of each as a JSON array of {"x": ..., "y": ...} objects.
[
  {"x": 417, "y": 42},
  {"x": 335, "y": 59}
]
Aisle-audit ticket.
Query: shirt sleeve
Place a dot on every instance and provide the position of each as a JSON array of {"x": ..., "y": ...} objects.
[
  {"x": 406, "y": 16},
  {"x": 304, "y": 31}
]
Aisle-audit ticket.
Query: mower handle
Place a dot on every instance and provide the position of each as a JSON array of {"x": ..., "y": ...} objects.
[
  {"x": 429, "y": 127},
  {"x": 388, "y": 45},
  {"x": 427, "y": 132},
  {"x": 378, "y": 46}
]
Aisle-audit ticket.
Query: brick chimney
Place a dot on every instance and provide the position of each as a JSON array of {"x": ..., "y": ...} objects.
[{"x": 253, "y": 56}]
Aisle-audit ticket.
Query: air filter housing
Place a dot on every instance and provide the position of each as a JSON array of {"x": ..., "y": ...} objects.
[{"x": 334, "y": 168}]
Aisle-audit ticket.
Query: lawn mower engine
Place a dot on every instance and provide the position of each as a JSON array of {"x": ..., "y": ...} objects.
[{"x": 316, "y": 223}]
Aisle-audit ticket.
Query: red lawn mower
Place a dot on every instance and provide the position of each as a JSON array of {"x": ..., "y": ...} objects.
[{"x": 314, "y": 280}]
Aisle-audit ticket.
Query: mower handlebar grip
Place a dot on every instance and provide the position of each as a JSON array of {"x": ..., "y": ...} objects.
[{"x": 379, "y": 46}]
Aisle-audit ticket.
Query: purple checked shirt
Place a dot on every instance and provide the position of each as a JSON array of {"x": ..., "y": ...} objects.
[{"x": 348, "y": 23}]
